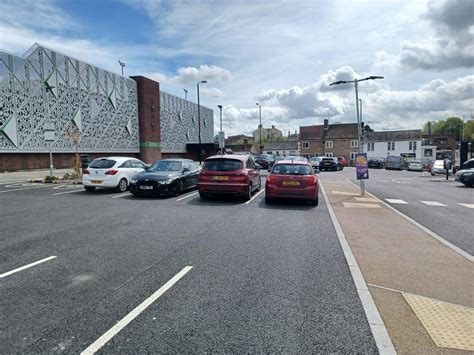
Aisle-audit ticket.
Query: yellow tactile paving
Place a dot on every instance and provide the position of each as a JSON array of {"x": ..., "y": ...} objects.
[
  {"x": 365, "y": 199},
  {"x": 360, "y": 205},
  {"x": 449, "y": 325}
]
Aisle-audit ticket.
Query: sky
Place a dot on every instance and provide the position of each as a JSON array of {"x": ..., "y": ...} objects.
[{"x": 280, "y": 53}]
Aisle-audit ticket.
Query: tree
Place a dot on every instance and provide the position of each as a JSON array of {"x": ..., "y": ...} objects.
[
  {"x": 449, "y": 125},
  {"x": 468, "y": 133}
]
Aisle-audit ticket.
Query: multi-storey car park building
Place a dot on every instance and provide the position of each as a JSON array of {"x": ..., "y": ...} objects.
[{"x": 106, "y": 113}]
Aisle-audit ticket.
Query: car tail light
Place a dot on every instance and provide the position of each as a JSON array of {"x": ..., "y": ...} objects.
[
  {"x": 312, "y": 180},
  {"x": 111, "y": 172},
  {"x": 85, "y": 172},
  {"x": 270, "y": 179}
]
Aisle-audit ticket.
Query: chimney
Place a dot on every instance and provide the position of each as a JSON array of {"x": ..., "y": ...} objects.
[
  {"x": 273, "y": 127},
  {"x": 326, "y": 124}
]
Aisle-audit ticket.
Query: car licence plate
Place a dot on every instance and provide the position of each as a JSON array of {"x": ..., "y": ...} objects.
[
  {"x": 96, "y": 181},
  {"x": 291, "y": 183},
  {"x": 221, "y": 178},
  {"x": 146, "y": 187}
]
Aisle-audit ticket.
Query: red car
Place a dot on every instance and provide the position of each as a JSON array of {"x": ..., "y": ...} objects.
[
  {"x": 292, "y": 179},
  {"x": 229, "y": 175},
  {"x": 343, "y": 161}
]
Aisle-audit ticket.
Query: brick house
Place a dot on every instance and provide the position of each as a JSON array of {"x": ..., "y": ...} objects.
[{"x": 332, "y": 140}]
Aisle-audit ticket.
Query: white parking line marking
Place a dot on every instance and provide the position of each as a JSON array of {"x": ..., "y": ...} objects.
[
  {"x": 99, "y": 343},
  {"x": 121, "y": 195},
  {"x": 434, "y": 203},
  {"x": 24, "y": 188},
  {"x": 182, "y": 198},
  {"x": 11, "y": 182},
  {"x": 254, "y": 196},
  {"x": 65, "y": 192},
  {"x": 396, "y": 201},
  {"x": 468, "y": 205},
  {"x": 26, "y": 266}
]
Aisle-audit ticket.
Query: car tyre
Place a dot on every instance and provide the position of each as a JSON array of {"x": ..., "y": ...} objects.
[
  {"x": 177, "y": 188},
  {"x": 314, "y": 202},
  {"x": 203, "y": 196},
  {"x": 268, "y": 200},
  {"x": 248, "y": 194},
  {"x": 122, "y": 185},
  {"x": 89, "y": 188}
]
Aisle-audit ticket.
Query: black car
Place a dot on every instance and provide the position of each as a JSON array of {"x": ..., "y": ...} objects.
[
  {"x": 375, "y": 163},
  {"x": 263, "y": 160},
  {"x": 328, "y": 163},
  {"x": 166, "y": 177}
]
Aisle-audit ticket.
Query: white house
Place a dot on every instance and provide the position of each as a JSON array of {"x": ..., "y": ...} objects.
[
  {"x": 401, "y": 143},
  {"x": 282, "y": 148}
]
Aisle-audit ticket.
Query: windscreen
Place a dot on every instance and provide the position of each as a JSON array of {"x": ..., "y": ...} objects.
[
  {"x": 291, "y": 169},
  {"x": 222, "y": 165},
  {"x": 102, "y": 164},
  {"x": 166, "y": 165}
]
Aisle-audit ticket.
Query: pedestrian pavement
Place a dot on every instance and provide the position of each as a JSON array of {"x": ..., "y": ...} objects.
[{"x": 27, "y": 175}]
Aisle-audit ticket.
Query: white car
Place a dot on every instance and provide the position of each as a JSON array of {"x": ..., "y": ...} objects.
[
  {"x": 111, "y": 172},
  {"x": 438, "y": 168},
  {"x": 415, "y": 165}
]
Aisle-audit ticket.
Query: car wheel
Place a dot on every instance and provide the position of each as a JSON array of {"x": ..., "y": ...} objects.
[
  {"x": 203, "y": 196},
  {"x": 122, "y": 185},
  {"x": 248, "y": 194},
  {"x": 315, "y": 202},
  {"x": 89, "y": 188},
  {"x": 177, "y": 188},
  {"x": 268, "y": 200}
]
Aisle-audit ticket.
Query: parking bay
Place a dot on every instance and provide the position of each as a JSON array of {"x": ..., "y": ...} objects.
[{"x": 264, "y": 277}]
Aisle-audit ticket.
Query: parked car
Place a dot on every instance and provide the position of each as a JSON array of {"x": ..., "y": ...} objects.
[
  {"x": 468, "y": 164},
  {"x": 329, "y": 163},
  {"x": 377, "y": 163},
  {"x": 466, "y": 176},
  {"x": 343, "y": 161},
  {"x": 166, "y": 177},
  {"x": 274, "y": 160},
  {"x": 438, "y": 168},
  {"x": 415, "y": 165},
  {"x": 111, "y": 172},
  {"x": 229, "y": 175},
  {"x": 315, "y": 162},
  {"x": 394, "y": 162},
  {"x": 263, "y": 160},
  {"x": 292, "y": 179}
]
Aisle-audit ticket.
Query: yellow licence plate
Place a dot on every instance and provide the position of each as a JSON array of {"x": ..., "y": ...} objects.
[
  {"x": 291, "y": 183},
  {"x": 96, "y": 181},
  {"x": 221, "y": 178}
]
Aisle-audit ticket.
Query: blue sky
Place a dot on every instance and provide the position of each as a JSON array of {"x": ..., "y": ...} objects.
[{"x": 281, "y": 53}]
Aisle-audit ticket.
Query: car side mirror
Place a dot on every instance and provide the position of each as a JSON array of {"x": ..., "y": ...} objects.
[
  {"x": 258, "y": 166},
  {"x": 317, "y": 171}
]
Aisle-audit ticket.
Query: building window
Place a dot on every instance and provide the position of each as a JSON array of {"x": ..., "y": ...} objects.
[
  {"x": 370, "y": 147},
  {"x": 354, "y": 143},
  {"x": 414, "y": 146},
  {"x": 410, "y": 145},
  {"x": 353, "y": 155},
  {"x": 329, "y": 155},
  {"x": 390, "y": 145},
  {"x": 316, "y": 155},
  {"x": 329, "y": 144},
  {"x": 393, "y": 145},
  {"x": 269, "y": 152},
  {"x": 306, "y": 155},
  {"x": 305, "y": 145},
  {"x": 292, "y": 152}
]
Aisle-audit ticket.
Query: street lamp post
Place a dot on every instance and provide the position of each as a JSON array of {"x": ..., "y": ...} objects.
[
  {"x": 199, "y": 120},
  {"x": 359, "y": 114},
  {"x": 122, "y": 64},
  {"x": 260, "y": 127},
  {"x": 220, "y": 132}
]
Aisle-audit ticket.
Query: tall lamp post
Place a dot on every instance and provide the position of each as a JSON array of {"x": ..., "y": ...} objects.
[
  {"x": 221, "y": 143},
  {"x": 359, "y": 128},
  {"x": 260, "y": 127},
  {"x": 122, "y": 64},
  {"x": 199, "y": 120}
]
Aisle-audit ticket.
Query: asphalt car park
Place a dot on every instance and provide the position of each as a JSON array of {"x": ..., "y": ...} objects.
[{"x": 253, "y": 281}]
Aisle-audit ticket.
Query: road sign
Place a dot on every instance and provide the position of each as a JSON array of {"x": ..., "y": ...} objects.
[
  {"x": 221, "y": 139},
  {"x": 362, "y": 166}
]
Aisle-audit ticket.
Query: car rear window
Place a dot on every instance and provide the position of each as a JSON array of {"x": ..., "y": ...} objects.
[
  {"x": 291, "y": 169},
  {"x": 102, "y": 164},
  {"x": 222, "y": 165}
]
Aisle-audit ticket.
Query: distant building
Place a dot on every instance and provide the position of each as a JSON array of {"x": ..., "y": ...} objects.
[
  {"x": 282, "y": 148},
  {"x": 239, "y": 138},
  {"x": 268, "y": 134},
  {"x": 438, "y": 146},
  {"x": 405, "y": 143},
  {"x": 331, "y": 140}
]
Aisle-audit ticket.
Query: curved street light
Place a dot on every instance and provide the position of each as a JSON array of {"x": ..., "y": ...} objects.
[
  {"x": 260, "y": 127},
  {"x": 199, "y": 120}
]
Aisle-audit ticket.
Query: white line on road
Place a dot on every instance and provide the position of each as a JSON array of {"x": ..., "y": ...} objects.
[
  {"x": 12, "y": 182},
  {"x": 24, "y": 188},
  {"x": 66, "y": 192},
  {"x": 254, "y": 196},
  {"x": 184, "y": 197},
  {"x": 422, "y": 227},
  {"x": 434, "y": 203},
  {"x": 377, "y": 326},
  {"x": 120, "y": 195},
  {"x": 26, "y": 266},
  {"x": 99, "y": 343},
  {"x": 468, "y": 205},
  {"x": 396, "y": 201}
]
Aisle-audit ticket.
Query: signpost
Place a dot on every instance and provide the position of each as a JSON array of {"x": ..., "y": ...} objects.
[
  {"x": 221, "y": 141},
  {"x": 362, "y": 166},
  {"x": 49, "y": 137}
]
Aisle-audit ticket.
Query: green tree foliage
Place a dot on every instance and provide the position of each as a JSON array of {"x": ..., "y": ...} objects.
[
  {"x": 449, "y": 125},
  {"x": 469, "y": 131}
]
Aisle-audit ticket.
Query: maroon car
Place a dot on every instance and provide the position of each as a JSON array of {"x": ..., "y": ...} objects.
[
  {"x": 343, "y": 161},
  {"x": 292, "y": 179},
  {"x": 229, "y": 175}
]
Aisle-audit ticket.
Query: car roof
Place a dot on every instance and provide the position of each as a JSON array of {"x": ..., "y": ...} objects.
[
  {"x": 174, "y": 159},
  {"x": 233, "y": 157},
  {"x": 292, "y": 162},
  {"x": 115, "y": 158}
]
